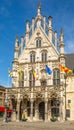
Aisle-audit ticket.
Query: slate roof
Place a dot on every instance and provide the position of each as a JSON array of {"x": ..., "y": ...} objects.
[{"x": 70, "y": 61}]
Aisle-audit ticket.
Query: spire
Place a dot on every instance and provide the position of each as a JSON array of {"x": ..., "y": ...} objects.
[
  {"x": 61, "y": 35},
  {"x": 39, "y": 8},
  {"x": 50, "y": 28},
  {"x": 16, "y": 41},
  {"x": 38, "y": 19},
  {"x": 61, "y": 42},
  {"x": 16, "y": 48}
]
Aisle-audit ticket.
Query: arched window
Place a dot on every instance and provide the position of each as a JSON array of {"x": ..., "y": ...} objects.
[
  {"x": 31, "y": 79},
  {"x": 38, "y": 43},
  {"x": 32, "y": 57},
  {"x": 44, "y": 56},
  {"x": 56, "y": 76},
  {"x": 21, "y": 78}
]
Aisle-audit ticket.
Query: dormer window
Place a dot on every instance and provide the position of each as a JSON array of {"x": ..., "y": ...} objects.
[{"x": 38, "y": 43}]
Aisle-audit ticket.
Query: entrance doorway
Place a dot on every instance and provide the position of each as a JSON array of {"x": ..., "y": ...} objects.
[
  {"x": 42, "y": 111},
  {"x": 55, "y": 107}
]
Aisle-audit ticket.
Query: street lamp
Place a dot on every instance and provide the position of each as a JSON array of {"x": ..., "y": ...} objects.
[{"x": 65, "y": 77}]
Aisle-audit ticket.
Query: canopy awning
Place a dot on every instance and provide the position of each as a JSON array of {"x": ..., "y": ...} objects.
[{"x": 2, "y": 109}]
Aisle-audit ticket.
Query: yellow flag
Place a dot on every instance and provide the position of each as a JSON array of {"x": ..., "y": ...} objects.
[{"x": 10, "y": 73}]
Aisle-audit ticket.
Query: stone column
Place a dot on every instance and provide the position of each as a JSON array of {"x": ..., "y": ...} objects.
[
  {"x": 36, "y": 111},
  {"x": 61, "y": 107},
  {"x": 31, "y": 115},
  {"x": 46, "y": 110},
  {"x": 61, "y": 113},
  {"x": 18, "y": 110},
  {"x": 13, "y": 116}
]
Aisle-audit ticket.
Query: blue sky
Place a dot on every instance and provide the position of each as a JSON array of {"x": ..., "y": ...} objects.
[{"x": 13, "y": 15}]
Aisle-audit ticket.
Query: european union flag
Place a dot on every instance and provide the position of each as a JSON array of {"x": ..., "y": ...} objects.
[{"x": 48, "y": 70}]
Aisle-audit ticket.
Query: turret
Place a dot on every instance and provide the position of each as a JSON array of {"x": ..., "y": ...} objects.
[
  {"x": 44, "y": 20},
  {"x": 27, "y": 30},
  {"x": 16, "y": 50},
  {"x": 38, "y": 20},
  {"x": 15, "y": 64},
  {"x": 22, "y": 43},
  {"x": 33, "y": 20},
  {"x": 50, "y": 28},
  {"x": 61, "y": 47},
  {"x": 55, "y": 34},
  {"x": 39, "y": 9},
  {"x": 61, "y": 42}
]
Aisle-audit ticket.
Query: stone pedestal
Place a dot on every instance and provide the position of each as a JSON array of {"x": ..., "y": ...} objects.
[{"x": 13, "y": 117}]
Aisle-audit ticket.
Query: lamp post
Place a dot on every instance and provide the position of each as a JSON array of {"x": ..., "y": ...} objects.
[{"x": 65, "y": 77}]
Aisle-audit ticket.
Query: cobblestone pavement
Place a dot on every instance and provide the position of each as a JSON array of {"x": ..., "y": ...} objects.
[{"x": 68, "y": 125}]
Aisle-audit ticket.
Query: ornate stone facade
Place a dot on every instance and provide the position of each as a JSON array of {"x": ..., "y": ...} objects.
[{"x": 37, "y": 95}]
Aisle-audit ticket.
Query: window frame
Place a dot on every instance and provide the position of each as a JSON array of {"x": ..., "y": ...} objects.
[
  {"x": 44, "y": 56},
  {"x": 32, "y": 57},
  {"x": 56, "y": 76},
  {"x": 31, "y": 79},
  {"x": 38, "y": 43}
]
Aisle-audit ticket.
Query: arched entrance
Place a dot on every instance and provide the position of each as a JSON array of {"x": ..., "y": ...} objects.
[
  {"x": 55, "y": 103},
  {"x": 42, "y": 110}
]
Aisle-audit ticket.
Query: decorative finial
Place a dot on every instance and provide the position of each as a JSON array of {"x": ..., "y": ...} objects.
[
  {"x": 17, "y": 36},
  {"x": 39, "y": 8},
  {"x": 16, "y": 41},
  {"x": 61, "y": 31},
  {"x": 61, "y": 35},
  {"x": 39, "y": 5}
]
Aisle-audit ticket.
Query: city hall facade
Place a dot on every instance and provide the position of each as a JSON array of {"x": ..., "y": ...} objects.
[{"x": 38, "y": 95}]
